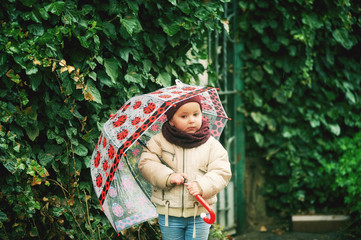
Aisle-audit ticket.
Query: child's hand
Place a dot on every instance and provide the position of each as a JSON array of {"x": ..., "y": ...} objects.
[
  {"x": 193, "y": 188},
  {"x": 178, "y": 178}
]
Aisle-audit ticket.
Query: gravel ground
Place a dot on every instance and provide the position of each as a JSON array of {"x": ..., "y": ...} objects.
[
  {"x": 294, "y": 236},
  {"x": 281, "y": 230}
]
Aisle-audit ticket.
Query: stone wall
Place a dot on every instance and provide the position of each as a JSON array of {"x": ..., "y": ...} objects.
[{"x": 256, "y": 215}]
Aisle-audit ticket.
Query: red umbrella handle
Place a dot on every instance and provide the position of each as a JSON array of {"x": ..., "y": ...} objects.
[{"x": 210, "y": 220}]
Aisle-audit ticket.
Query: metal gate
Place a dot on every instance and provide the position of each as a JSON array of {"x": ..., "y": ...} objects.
[{"x": 223, "y": 52}]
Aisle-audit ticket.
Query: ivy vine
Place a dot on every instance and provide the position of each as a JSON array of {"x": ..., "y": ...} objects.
[
  {"x": 302, "y": 86},
  {"x": 65, "y": 66}
]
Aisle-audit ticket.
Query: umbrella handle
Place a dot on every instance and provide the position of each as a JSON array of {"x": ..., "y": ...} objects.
[{"x": 210, "y": 220}]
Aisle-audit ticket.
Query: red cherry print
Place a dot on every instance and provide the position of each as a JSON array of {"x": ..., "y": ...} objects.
[
  {"x": 149, "y": 108},
  {"x": 123, "y": 134}
]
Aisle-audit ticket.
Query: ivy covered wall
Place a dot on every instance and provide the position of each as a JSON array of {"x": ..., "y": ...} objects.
[
  {"x": 65, "y": 66},
  {"x": 302, "y": 86}
]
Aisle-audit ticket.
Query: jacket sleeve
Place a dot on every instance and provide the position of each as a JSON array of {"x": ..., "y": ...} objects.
[
  {"x": 150, "y": 166},
  {"x": 218, "y": 172}
]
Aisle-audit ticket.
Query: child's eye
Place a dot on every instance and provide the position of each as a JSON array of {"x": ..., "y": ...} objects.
[{"x": 183, "y": 116}]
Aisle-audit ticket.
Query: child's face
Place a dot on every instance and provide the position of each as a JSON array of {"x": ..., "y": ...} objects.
[{"x": 188, "y": 118}]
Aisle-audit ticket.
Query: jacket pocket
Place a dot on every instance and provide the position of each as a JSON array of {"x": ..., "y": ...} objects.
[
  {"x": 168, "y": 156},
  {"x": 200, "y": 172}
]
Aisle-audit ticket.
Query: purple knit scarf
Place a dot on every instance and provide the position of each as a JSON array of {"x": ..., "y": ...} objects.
[{"x": 186, "y": 140}]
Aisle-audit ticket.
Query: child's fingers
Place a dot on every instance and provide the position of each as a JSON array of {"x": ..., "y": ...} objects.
[{"x": 185, "y": 177}]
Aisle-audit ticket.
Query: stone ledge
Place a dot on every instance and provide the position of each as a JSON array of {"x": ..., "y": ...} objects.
[{"x": 319, "y": 223}]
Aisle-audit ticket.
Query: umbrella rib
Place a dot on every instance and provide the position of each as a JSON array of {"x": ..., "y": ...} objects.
[
  {"x": 124, "y": 148},
  {"x": 140, "y": 131}
]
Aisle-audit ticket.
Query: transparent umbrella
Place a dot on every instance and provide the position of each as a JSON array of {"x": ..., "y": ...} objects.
[{"x": 122, "y": 192}]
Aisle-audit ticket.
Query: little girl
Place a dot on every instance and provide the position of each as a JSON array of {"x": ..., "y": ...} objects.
[{"x": 182, "y": 161}]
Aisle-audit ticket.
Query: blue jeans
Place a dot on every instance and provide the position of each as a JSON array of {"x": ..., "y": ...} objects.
[{"x": 180, "y": 228}]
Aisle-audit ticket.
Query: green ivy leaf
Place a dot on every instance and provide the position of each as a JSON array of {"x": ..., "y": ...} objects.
[
  {"x": 32, "y": 70},
  {"x": 71, "y": 132},
  {"x": 91, "y": 88},
  {"x": 259, "y": 139},
  {"x": 67, "y": 84},
  {"x": 32, "y": 132},
  {"x": 55, "y": 7},
  {"x": 133, "y": 77},
  {"x": 3, "y": 217},
  {"x": 335, "y": 129},
  {"x": 80, "y": 150},
  {"x": 104, "y": 79},
  {"x": 342, "y": 37},
  {"x": 351, "y": 97},
  {"x": 111, "y": 68},
  {"x": 257, "y": 74},
  {"x": 45, "y": 158},
  {"x": 131, "y": 24},
  {"x": 184, "y": 7},
  {"x": 170, "y": 28},
  {"x": 315, "y": 123},
  {"x": 33, "y": 15},
  {"x": 164, "y": 79},
  {"x": 204, "y": 13},
  {"x": 147, "y": 65},
  {"x": 312, "y": 20},
  {"x": 124, "y": 53},
  {"x": 109, "y": 30},
  {"x": 93, "y": 75},
  {"x": 133, "y": 5},
  {"x": 58, "y": 211},
  {"x": 46, "y": 38},
  {"x": 28, "y": 3},
  {"x": 65, "y": 113},
  {"x": 44, "y": 14},
  {"x": 11, "y": 165},
  {"x": 36, "y": 29},
  {"x": 23, "y": 97},
  {"x": 133, "y": 90}
]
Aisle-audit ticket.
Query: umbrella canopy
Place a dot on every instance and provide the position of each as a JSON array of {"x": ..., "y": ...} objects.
[{"x": 122, "y": 192}]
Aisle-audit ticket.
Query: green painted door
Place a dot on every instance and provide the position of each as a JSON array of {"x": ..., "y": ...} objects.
[{"x": 224, "y": 52}]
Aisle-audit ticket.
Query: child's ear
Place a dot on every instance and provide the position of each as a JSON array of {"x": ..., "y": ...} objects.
[{"x": 171, "y": 123}]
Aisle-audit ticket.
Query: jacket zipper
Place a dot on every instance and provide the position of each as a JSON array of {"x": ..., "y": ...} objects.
[{"x": 183, "y": 184}]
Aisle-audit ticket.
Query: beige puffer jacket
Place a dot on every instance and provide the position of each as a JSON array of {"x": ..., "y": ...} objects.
[{"x": 207, "y": 164}]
